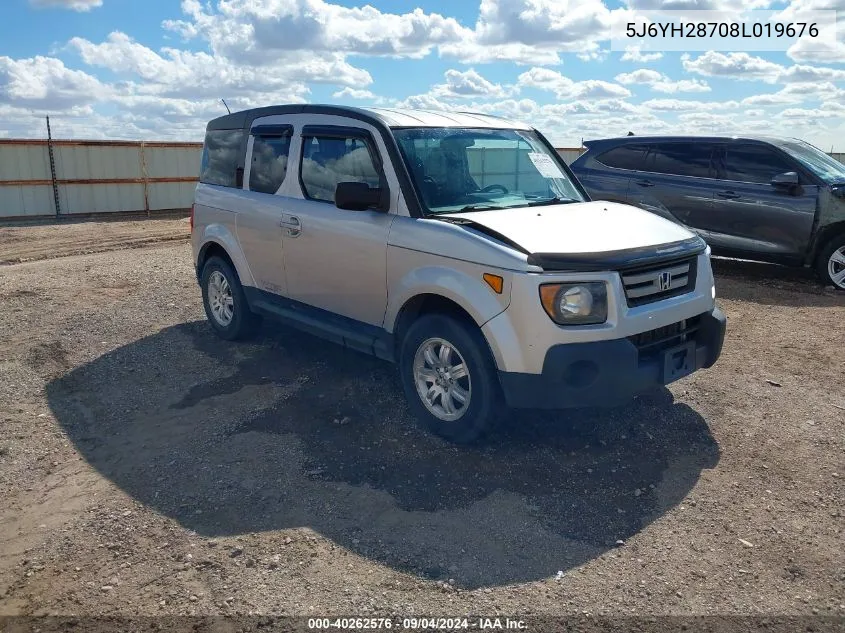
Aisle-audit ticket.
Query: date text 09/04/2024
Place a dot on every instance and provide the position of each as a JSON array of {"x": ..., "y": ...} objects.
[{"x": 418, "y": 624}]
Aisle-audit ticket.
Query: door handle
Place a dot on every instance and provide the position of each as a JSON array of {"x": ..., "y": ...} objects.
[
  {"x": 645, "y": 183},
  {"x": 729, "y": 195},
  {"x": 292, "y": 224}
]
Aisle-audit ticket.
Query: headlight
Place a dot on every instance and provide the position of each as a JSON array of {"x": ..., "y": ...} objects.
[{"x": 575, "y": 304}]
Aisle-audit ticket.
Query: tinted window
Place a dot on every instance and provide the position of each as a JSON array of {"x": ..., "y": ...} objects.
[
  {"x": 269, "y": 163},
  {"x": 753, "y": 163},
  {"x": 681, "y": 159},
  {"x": 329, "y": 161},
  {"x": 220, "y": 156},
  {"x": 623, "y": 157}
]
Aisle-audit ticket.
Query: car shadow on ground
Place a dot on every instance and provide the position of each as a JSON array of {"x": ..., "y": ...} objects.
[{"x": 289, "y": 431}]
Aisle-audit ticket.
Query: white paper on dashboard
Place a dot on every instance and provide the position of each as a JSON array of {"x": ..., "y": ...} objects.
[{"x": 546, "y": 165}]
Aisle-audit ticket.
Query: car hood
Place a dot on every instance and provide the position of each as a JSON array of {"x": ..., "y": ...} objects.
[{"x": 579, "y": 228}]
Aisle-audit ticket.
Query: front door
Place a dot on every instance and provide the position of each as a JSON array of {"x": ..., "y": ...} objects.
[
  {"x": 336, "y": 259},
  {"x": 752, "y": 216},
  {"x": 676, "y": 181},
  {"x": 258, "y": 225}
]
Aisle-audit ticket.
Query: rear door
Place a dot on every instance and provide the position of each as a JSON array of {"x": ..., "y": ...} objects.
[
  {"x": 607, "y": 175},
  {"x": 752, "y": 216},
  {"x": 676, "y": 180}
]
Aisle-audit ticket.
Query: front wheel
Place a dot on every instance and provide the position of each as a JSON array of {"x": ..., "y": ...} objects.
[
  {"x": 831, "y": 262},
  {"x": 449, "y": 378}
]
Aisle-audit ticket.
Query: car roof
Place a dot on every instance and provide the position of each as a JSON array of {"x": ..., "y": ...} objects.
[
  {"x": 390, "y": 117},
  {"x": 759, "y": 138}
]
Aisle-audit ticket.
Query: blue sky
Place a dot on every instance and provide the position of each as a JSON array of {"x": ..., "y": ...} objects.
[{"x": 156, "y": 69}]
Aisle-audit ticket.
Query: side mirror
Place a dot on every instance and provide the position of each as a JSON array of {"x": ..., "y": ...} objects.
[
  {"x": 788, "y": 180},
  {"x": 359, "y": 196}
]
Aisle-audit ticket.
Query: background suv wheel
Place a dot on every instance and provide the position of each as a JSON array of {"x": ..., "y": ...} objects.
[{"x": 831, "y": 263}]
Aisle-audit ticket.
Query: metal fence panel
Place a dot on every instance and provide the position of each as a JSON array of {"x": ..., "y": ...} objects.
[
  {"x": 171, "y": 195},
  {"x": 23, "y": 162},
  {"x": 92, "y": 162},
  {"x": 172, "y": 162},
  {"x": 101, "y": 198},
  {"x": 20, "y": 201}
]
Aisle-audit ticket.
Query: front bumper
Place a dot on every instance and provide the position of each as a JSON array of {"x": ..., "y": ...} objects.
[{"x": 611, "y": 373}]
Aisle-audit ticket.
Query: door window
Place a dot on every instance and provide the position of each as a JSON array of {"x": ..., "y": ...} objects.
[
  {"x": 329, "y": 160},
  {"x": 681, "y": 159},
  {"x": 269, "y": 163},
  {"x": 753, "y": 163},
  {"x": 624, "y": 157}
]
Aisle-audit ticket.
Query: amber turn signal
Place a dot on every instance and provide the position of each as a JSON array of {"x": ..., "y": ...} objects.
[{"x": 495, "y": 282}]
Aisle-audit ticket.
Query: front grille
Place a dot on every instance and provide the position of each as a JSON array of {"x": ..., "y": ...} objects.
[
  {"x": 659, "y": 281},
  {"x": 655, "y": 341}
]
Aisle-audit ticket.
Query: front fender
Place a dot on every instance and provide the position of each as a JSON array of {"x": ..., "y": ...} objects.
[
  {"x": 465, "y": 286},
  {"x": 221, "y": 235}
]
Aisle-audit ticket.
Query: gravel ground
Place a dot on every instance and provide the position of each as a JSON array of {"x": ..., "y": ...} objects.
[{"x": 149, "y": 468}]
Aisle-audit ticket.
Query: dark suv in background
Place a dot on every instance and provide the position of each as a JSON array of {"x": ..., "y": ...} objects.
[{"x": 763, "y": 198}]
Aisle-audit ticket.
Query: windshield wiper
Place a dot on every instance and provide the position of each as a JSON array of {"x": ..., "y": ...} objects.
[
  {"x": 479, "y": 207},
  {"x": 555, "y": 200}
]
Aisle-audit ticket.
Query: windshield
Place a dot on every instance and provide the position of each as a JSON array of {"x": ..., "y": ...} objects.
[
  {"x": 467, "y": 169},
  {"x": 825, "y": 167}
]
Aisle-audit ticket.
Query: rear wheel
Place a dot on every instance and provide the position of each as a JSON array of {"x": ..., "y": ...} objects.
[
  {"x": 831, "y": 262},
  {"x": 224, "y": 301},
  {"x": 449, "y": 378}
]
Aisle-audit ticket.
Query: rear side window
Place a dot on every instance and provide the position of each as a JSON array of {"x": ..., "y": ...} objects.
[
  {"x": 681, "y": 159},
  {"x": 220, "y": 157},
  {"x": 623, "y": 157},
  {"x": 753, "y": 163},
  {"x": 329, "y": 160},
  {"x": 269, "y": 162}
]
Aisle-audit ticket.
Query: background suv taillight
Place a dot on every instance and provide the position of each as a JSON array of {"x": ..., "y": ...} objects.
[{"x": 192, "y": 217}]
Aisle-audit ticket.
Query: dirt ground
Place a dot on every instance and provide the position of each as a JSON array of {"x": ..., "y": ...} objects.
[{"x": 149, "y": 468}]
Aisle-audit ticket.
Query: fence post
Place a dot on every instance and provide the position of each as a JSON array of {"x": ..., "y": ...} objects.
[
  {"x": 53, "y": 168},
  {"x": 146, "y": 178}
]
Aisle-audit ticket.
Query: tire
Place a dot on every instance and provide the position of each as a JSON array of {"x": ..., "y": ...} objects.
[
  {"x": 483, "y": 397},
  {"x": 831, "y": 262},
  {"x": 219, "y": 278}
]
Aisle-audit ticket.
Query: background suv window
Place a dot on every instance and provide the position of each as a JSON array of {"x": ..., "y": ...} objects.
[
  {"x": 681, "y": 159},
  {"x": 327, "y": 161},
  {"x": 624, "y": 157},
  {"x": 753, "y": 163},
  {"x": 269, "y": 163}
]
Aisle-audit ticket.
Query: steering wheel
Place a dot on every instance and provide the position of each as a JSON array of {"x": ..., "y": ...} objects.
[{"x": 491, "y": 188}]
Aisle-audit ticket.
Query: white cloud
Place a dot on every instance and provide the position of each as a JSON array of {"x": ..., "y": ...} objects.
[
  {"x": 683, "y": 105},
  {"x": 634, "y": 54},
  {"x": 75, "y": 5},
  {"x": 353, "y": 93},
  {"x": 566, "y": 89},
  {"x": 187, "y": 74},
  {"x": 660, "y": 82},
  {"x": 46, "y": 82},
  {"x": 532, "y": 32},
  {"x": 735, "y": 65},
  {"x": 743, "y": 66},
  {"x": 468, "y": 84},
  {"x": 252, "y": 30}
]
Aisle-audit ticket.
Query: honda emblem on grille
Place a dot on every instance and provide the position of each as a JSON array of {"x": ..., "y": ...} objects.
[{"x": 664, "y": 281}]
